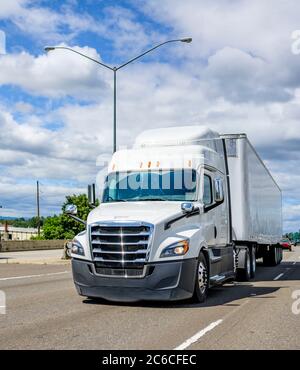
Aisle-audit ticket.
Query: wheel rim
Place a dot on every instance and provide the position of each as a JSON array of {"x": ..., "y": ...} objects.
[
  {"x": 202, "y": 277},
  {"x": 235, "y": 262},
  {"x": 248, "y": 265},
  {"x": 253, "y": 262}
]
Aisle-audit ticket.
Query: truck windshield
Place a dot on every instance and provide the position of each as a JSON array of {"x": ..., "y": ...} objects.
[{"x": 170, "y": 185}]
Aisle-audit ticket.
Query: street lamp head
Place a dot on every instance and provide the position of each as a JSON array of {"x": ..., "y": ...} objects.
[
  {"x": 187, "y": 40},
  {"x": 49, "y": 48}
]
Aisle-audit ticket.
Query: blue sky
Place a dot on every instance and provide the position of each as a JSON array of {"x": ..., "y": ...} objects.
[{"x": 238, "y": 75}]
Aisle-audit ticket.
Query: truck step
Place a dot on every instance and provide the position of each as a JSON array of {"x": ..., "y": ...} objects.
[{"x": 217, "y": 279}]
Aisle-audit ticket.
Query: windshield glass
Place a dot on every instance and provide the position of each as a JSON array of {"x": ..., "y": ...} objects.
[{"x": 171, "y": 185}]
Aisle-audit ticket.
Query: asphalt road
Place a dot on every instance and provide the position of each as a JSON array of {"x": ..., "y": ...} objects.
[{"x": 44, "y": 312}]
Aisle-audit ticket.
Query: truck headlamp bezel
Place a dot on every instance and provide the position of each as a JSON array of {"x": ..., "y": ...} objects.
[
  {"x": 176, "y": 249},
  {"x": 77, "y": 248}
]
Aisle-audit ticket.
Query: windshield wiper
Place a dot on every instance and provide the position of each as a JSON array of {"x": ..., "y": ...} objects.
[
  {"x": 115, "y": 201},
  {"x": 152, "y": 199}
]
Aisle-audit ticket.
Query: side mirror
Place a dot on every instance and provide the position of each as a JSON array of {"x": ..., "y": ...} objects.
[
  {"x": 219, "y": 190},
  {"x": 187, "y": 207},
  {"x": 71, "y": 209}
]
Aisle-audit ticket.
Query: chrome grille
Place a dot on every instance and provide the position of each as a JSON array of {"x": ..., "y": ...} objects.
[{"x": 120, "y": 246}]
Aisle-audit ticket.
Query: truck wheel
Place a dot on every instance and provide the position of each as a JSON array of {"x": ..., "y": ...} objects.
[
  {"x": 266, "y": 259},
  {"x": 253, "y": 263},
  {"x": 244, "y": 274},
  {"x": 271, "y": 257},
  {"x": 279, "y": 255},
  {"x": 201, "y": 281}
]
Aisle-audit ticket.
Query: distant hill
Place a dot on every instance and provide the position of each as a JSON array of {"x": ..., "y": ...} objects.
[{"x": 7, "y": 218}]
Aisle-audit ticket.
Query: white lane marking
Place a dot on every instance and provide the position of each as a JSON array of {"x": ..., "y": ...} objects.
[
  {"x": 294, "y": 263},
  {"x": 33, "y": 276},
  {"x": 198, "y": 335},
  {"x": 278, "y": 276}
]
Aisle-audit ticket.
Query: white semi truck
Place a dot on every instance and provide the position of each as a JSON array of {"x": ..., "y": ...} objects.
[{"x": 184, "y": 210}]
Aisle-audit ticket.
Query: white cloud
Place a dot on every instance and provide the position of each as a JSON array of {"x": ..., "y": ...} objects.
[
  {"x": 56, "y": 74},
  {"x": 22, "y": 107},
  {"x": 241, "y": 77},
  {"x": 262, "y": 27},
  {"x": 46, "y": 24}
]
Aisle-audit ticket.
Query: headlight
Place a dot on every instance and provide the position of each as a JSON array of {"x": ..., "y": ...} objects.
[
  {"x": 176, "y": 249},
  {"x": 77, "y": 248}
]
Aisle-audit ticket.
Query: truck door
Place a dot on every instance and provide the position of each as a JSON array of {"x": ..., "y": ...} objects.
[
  {"x": 216, "y": 209},
  {"x": 222, "y": 222},
  {"x": 211, "y": 222}
]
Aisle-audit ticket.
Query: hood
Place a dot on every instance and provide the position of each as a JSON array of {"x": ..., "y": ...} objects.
[{"x": 151, "y": 212}]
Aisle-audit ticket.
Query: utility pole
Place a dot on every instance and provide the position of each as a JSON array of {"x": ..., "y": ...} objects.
[{"x": 38, "y": 207}]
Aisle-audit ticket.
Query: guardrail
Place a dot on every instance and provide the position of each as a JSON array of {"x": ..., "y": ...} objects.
[{"x": 30, "y": 245}]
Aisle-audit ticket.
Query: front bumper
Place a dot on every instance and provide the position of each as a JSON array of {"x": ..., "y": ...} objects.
[{"x": 167, "y": 281}]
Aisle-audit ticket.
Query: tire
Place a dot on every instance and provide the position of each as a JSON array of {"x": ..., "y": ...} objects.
[
  {"x": 253, "y": 263},
  {"x": 201, "y": 280},
  {"x": 244, "y": 274},
  {"x": 279, "y": 255},
  {"x": 270, "y": 257},
  {"x": 266, "y": 261}
]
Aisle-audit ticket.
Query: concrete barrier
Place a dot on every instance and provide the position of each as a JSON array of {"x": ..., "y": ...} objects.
[{"x": 30, "y": 245}]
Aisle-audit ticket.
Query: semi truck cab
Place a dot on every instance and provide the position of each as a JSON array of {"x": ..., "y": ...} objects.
[{"x": 163, "y": 229}]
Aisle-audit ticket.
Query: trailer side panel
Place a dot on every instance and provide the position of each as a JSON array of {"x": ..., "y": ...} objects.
[{"x": 256, "y": 198}]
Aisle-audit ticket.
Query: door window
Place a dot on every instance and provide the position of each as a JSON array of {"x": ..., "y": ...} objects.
[{"x": 207, "y": 194}]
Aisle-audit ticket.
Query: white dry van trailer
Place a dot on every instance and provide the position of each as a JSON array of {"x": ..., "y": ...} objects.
[{"x": 184, "y": 210}]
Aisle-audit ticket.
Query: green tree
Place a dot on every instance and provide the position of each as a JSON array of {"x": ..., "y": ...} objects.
[
  {"x": 22, "y": 222},
  {"x": 53, "y": 228},
  {"x": 63, "y": 226},
  {"x": 19, "y": 222},
  {"x": 71, "y": 226}
]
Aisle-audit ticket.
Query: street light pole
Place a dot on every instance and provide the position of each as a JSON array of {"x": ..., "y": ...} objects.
[
  {"x": 114, "y": 70},
  {"x": 115, "y": 111}
]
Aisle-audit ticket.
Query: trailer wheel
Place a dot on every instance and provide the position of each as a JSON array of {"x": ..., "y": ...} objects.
[
  {"x": 281, "y": 253},
  {"x": 244, "y": 274},
  {"x": 278, "y": 255},
  {"x": 266, "y": 258},
  {"x": 202, "y": 280},
  {"x": 273, "y": 256},
  {"x": 253, "y": 263}
]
